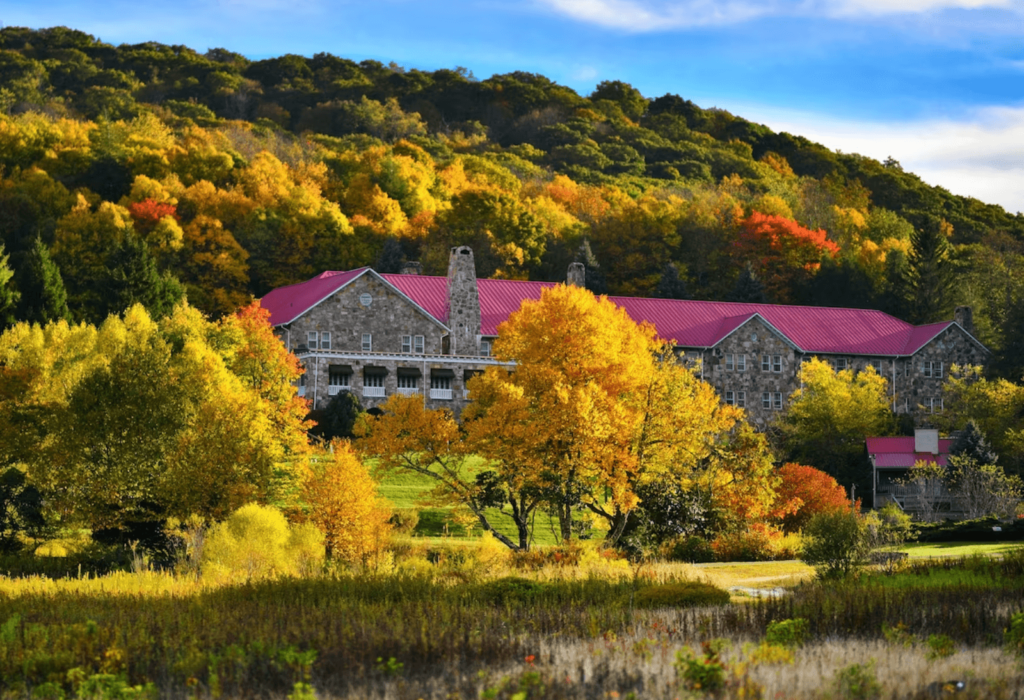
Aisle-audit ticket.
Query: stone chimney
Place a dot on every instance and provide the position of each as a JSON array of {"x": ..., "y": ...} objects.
[
  {"x": 411, "y": 267},
  {"x": 463, "y": 302},
  {"x": 964, "y": 315},
  {"x": 577, "y": 276}
]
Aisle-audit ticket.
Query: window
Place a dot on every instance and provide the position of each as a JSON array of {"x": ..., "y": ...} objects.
[
  {"x": 367, "y": 342},
  {"x": 485, "y": 348},
  {"x": 406, "y": 343},
  {"x": 766, "y": 400},
  {"x": 741, "y": 363},
  {"x": 933, "y": 405},
  {"x": 730, "y": 398},
  {"x": 408, "y": 381},
  {"x": 437, "y": 382},
  {"x": 730, "y": 363},
  {"x": 840, "y": 364},
  {"x": 877, "y": 364},
  {"x": 373, "y": 380},
  {"x": 777, "y": 363},
  {"x": 766, "y": 363},
  {"x": 777, "y": 400},
  {"x": 325, "y": 341},
  {"x": 417, "y": 344},
  {"x": 311, "y": 340},
  {"x": 338, "y": 379},
  {"x": 932, "y": 369},
  {"x": 741, "y": 399}
]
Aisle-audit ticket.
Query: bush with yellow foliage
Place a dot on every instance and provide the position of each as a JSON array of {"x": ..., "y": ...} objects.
[{"x": 257, "y": 542}]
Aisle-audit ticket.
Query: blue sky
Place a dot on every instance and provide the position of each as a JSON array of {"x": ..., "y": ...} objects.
[{"x": 937, "y": 84}]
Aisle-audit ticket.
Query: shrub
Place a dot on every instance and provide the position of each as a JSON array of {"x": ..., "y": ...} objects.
[
  {"x": 817, "y": 491},
  {"x": 1014, "y": 634},
  {"x": 404, "y": 520},
  {"x": 787, "y": 633},
  {"x": 511, "y": 589},
  {"x": 680, "y": 595},
  {"x": 705, "y": 673},
  {"x": 940, "y": 646},
  {"x": 693, "y": 549},
  {"x": 834, "y": 543},
  {"x": 759, "y": 542},
  {"x": 257, "y": 542},
  {"x": 858, "y": 682}
]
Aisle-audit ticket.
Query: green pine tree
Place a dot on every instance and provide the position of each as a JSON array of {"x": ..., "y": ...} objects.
[
  {"x": 9, "y": 295},
  {"x": 931, "y": 272},
  {"x": 134, "y": 279},
  {"x": 43, "y": 297},
  {"x": 748, "y": 288},
  {"x": 671, "y": 285}
]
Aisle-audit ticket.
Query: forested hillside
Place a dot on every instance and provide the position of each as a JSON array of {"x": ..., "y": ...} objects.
[{"x": 149, "y": 172}]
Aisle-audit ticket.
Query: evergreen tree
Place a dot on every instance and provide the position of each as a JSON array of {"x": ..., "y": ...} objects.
[
  {"x": 971, "y": 443},
  {"x": 671, "y": 285},
  {"x": 339, "y": 417},
  {"x": 391, "y": 257},
  {"x": 134, "y": 279},
  {"x": 748, "y": 288},
  {"x": 595, "y": 281},
  {"x": 43, "y": 297},
  {"x": 9, "y": 295},
  {"x": 931, "y": 272}
]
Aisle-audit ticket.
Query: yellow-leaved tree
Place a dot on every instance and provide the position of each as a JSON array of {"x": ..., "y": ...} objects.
[{"x": 342, "y": 502}]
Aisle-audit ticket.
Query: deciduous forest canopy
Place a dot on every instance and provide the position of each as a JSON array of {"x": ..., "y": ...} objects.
[{"x": 142, "y": 173}]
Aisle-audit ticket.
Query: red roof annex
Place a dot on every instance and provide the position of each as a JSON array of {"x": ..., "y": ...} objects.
[
  {"x": 687, "y": 323},
  {"x": 899, "y": 451}
]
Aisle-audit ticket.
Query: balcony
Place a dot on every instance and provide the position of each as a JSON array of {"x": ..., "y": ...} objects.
[
  {"x": 408, "y": 390},
  {"x": 335, "y": 389},
  {"x": 374, "y": 392},
  {"x": 441, "y": 394}
]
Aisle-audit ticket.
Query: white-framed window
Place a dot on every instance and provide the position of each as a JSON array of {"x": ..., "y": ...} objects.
[
  {"x": 932, "y": 369},
  {"x": 338, "y": 380},
  {"x": 302, "y": 385},
  {"x": 485, "y": 348},
  {"x": 766, "y": 400},
  {"x": 730, "y": 398},
  {"x": 934, "y": 405},
  {"x": 325, "y": 341},
  {"x": 437, "y": 382},
  {"x": 373, "y": 380},
  {"x": 741, "y": 399},
  {"x": 741, "y": 363},
  {"x": 406, "y": 343},
  {"x": 776, "y": 363},
  {"x": 840, "y": 364},
  {"x": 408, "y": 381},
  {"x": 766, "y": 363},
  {"x": 418, "y": 344},
  {"x": 877, "y": 364},
  {"x": 311, "y": 340},
  {"x": 730, "y": 362},
  {"x": 777, "y": 400},
  {"x": 367, "y": 342}
]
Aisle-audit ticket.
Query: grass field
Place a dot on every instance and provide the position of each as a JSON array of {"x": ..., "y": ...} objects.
[{"x": 957, "y": 549}]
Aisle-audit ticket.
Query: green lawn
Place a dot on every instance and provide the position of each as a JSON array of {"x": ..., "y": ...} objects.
[
  {"x": 957, "y": 549},
  {"x": 408, "y": 491}
]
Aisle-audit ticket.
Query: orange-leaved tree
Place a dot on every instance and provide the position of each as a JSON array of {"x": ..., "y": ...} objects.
[
  {"x": 812, "y": 491},
  {"x": 784, "y": 250},
  {"x": 342, "y": 501}
]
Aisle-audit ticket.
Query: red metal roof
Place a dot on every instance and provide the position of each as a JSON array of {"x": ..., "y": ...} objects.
[
  {"x": 899, "y": 451},
  {"x": 687, "y": 323},
  {"x": 286, "y": 304}
]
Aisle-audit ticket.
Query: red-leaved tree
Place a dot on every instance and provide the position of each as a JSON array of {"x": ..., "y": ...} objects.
[
  {"x": 148, "y": 212},
  {"x": 817, "y": 492},
  {"x": 782, "y": 251}
]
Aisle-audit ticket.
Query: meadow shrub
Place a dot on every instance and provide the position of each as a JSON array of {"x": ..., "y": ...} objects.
[
  {"x": 1014, "y": 635},
  {"x": 512, "y": 589},
  {"x": 759, "y": 542},
  {"x": 680, "y": 595},
  {"x": 404, "y": 520},
  {"x": 834, "y": 543},
  {"x": 257, "y": 542},
  {"x": 787, "y": 633},
  {"x": 858, "y": 682},
  {"x": 692, "y": 549}
]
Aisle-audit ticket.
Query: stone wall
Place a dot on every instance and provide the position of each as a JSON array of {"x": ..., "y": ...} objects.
[
  {"x": 463, "y": 302},
  {"x": 914, "y": 389}
]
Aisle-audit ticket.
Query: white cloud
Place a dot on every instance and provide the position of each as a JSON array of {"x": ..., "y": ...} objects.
[
  {"x": 981, "y": 156},
  {"x": 661, "y": 15}
]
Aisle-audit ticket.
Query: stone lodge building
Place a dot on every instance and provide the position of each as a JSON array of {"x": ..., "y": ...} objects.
[{"x": 378, "y": 334}]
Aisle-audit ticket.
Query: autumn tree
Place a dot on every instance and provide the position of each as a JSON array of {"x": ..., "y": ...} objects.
[
  {"x": 831, "y": 414},
  {"x": 9, "y": 295},
  {"x": 342, "y": 501},
  {"x": 816, "y": 491},
  {"x": 784, "y": 250}
]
